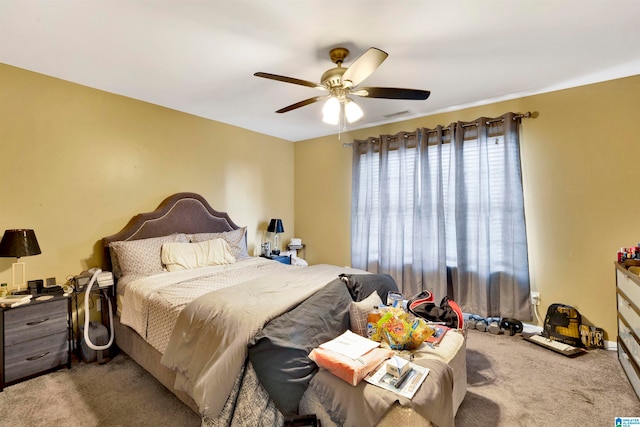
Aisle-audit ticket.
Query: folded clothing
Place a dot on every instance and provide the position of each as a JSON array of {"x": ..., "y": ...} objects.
[{"x": 347, "y": 369}]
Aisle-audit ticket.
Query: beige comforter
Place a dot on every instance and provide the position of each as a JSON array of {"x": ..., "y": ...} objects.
[
  {"x": 151, "y": 304},
  {"x": 208, "y": 346}
]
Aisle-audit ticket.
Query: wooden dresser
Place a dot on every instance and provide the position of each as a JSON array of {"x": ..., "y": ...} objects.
[
  {"x": 628, "y": 295},
  {"x": 36, "y": 339}
]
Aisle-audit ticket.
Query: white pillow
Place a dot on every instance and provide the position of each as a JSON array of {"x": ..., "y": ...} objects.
[
  {"x": 236, "y": 240},
  {"x": 186, "y": 256},
  {"x": 359, "y": 311}
]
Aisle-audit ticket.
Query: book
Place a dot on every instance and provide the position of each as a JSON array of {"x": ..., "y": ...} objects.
[
  {"x": 14, "y": 300},
  {"x": 438, "y": 334},
  {"x": 406, "y": 385}
]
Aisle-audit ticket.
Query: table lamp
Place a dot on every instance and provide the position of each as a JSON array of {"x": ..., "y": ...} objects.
[
  {"x": 19, "y": 243},
  {"x": 275, "y": 226}
]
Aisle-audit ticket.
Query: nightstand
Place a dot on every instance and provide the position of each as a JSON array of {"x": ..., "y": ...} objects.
[
  {"x": 285, "y": 259},
  {"x": 35, "y": 339},
  {"x": 297, "y": 248}
]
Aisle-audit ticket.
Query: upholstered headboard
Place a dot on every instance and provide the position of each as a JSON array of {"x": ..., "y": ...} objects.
[{"x": 181, "y": 213}]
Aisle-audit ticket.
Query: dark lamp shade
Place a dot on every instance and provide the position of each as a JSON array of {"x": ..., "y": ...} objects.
[
  {"x": 275, "y": 226},
  {"x": 19, "y": 243}
]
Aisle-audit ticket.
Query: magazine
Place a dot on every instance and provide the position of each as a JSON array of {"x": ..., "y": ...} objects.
[
  {"x": 406, "y": 385},
  {"x": 438, "y": 334}
]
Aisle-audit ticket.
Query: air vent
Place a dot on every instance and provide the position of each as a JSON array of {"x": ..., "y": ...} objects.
[{"x": 399, "y": 113}]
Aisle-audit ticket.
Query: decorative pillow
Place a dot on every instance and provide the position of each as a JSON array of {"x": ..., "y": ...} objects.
[
  {"x": 362, "y": 285},
  {"x": 140, "y": 256},
  {"x": 236, "y": 240},
  {"x": 358, "y": 312},
  {"x": 186, "y": 256}
]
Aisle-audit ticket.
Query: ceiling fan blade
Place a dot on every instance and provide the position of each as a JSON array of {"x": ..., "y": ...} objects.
[
  {"x": 364, "y": 66},
  {"x": 302, "y": 103},
  {"x": 290, "y": 80},
  {"x": 391, "y": 93}
]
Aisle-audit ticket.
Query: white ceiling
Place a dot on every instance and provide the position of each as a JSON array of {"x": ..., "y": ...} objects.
[{"x": 199, "y": 56}]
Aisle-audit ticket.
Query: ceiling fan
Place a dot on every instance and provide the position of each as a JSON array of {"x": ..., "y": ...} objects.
[{"x": 341, "y": 82}]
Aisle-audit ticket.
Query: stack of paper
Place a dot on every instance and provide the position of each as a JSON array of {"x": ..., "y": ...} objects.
[{"x": 350, "y": 344}]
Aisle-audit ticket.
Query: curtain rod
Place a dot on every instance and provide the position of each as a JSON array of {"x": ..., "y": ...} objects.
[{"x": 526, "y": 115}]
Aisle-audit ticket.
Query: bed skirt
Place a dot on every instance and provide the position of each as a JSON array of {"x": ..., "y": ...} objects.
[
  {"x": 248, "y": 405},
  {"x": 148, "y": 357}
]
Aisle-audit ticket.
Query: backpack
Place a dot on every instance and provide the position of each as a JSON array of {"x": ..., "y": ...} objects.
[
  {"x": 562, "y": 323},
  {"x": 449, "y": 312}
]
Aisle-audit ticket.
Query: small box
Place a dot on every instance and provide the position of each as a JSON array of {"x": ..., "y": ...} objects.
[
  {"x": 35, "y": 286},
  {"x": 397, "y": 366}
]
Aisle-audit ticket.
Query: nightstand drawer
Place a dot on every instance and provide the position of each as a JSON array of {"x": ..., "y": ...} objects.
[
  {"x": 35, "y": 321},
  {"x": 34, "y": 356}
]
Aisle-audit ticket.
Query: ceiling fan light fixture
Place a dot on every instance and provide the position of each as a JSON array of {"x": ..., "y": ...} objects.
[
  {"x": 331, "y": 107},
  {"x": 331, "y": 111},
  {"x": 334, "y": 108},
  {"x": 352, "y": 111}
]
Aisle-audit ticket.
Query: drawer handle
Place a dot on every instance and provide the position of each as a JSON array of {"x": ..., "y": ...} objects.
[
  {"x": 32, "y": 358},
  {"x": 37, "y": 322}
]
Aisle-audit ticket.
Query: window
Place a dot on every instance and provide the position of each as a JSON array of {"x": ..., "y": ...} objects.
[{"x": 421, "y": 206}]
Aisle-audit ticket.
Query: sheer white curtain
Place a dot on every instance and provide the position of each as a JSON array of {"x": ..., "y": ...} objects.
[{"x": 442, "y": 209}]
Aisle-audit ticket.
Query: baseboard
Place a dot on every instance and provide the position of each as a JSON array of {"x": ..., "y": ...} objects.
[
  {"x": 535, "y": 329},
  {"x": 611, "y": 345}
]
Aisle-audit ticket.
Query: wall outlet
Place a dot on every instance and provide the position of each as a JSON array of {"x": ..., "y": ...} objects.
[{"x": 535, "y": 298}]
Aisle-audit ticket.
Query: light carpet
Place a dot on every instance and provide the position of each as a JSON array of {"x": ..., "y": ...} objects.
[
  {"x": 512, "y": 382},
  {"x": 118, "y": 393}
]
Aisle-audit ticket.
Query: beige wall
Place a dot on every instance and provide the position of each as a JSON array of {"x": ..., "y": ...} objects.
[
  {"x": 581, "y": 170},
  {"x": 77, "y": 163}
]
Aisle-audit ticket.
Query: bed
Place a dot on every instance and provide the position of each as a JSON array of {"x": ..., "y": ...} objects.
[{"x": 199, "y": 329}]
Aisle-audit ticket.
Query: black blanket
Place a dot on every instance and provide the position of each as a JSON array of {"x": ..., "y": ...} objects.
[{"x": 279, "y": 353}]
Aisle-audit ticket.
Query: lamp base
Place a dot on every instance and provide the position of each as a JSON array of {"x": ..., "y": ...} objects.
[
  {"x": 276, "y": 244},
  {"x": 18, "y": 273}
]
